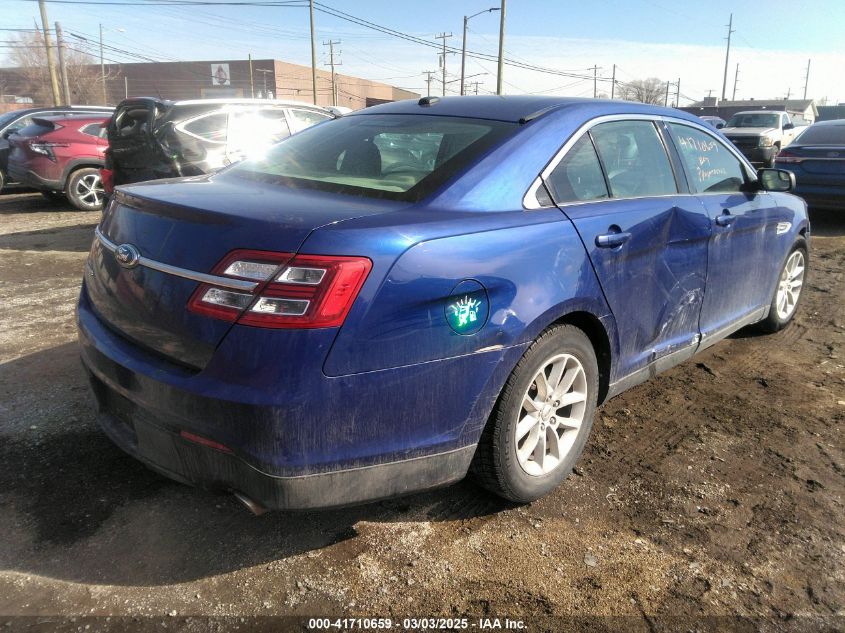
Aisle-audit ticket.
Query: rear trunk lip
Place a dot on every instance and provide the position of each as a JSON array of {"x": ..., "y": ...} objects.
[{"x": 215, "y": 280}]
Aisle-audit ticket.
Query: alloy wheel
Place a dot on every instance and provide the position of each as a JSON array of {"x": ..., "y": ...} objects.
[
  {"x": 789, "y": 287},
  {"x": 89, "y": 189},
  {"x": 551, "y": 414}
]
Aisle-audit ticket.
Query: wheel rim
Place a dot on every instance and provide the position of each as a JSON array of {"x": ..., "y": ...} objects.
[
  {"x": 551, "y": 414},
  {"x": 89, "y": 189},
  {"x": 791, "y": 282}
]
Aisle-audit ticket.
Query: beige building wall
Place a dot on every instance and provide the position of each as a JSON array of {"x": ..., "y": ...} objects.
[{"x": 283, "y": 80}]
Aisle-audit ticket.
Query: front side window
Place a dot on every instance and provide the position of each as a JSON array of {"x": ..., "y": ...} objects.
[
  {"x": 399, "y": 157},
  {"x": 578, "y": 176},
  {"x": 634, "y": 159},
  {"x": 711, "y": 166}
]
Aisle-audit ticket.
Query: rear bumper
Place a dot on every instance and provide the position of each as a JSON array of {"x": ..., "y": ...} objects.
[
  {"x": 297, "y": 438},
  {"x": 28, "y": 178},
  {"x": 822, "y": 197},
  {"x": 166, "y": 452}
]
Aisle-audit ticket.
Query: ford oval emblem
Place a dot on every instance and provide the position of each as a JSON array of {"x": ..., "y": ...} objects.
[{"x": 127, "y": 255}]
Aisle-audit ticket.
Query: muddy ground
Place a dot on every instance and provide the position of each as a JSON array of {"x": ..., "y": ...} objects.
[{"x": 716, "y": 489}]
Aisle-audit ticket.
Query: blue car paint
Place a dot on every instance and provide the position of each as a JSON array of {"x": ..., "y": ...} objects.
[{"x": 395, "y": 382}]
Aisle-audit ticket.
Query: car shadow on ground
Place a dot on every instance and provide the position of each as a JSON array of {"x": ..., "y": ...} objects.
[
  {"x": 79, "y": 509},
  {"x": 74, "y": 238},
  {"x": 827, "y": 223},
  {"x": 23, "y": 201}
]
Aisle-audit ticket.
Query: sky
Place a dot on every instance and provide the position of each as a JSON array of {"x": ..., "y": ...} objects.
[{"x": 667, "y": 39}]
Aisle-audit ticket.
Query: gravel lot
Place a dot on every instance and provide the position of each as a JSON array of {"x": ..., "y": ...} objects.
[{"x": 715, "y": 489}]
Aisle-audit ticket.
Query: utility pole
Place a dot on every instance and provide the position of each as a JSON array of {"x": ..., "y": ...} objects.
[
  {"x": 102, "y": 67},
  {"x": 60, "y": 42},
  {"x": 251, "y": 81},
  {"x": 332, "y": 63},
  {"x": 788, "y": 94},
  {"x": 666, "y": 100},
  {"x": 736, "y": 80},
  {"x": 500, "y": 69},
  {"x": 51, "y": 63},
  {"x": 443, "y": 36},
  {"x": 428, "y": 80},
  {"x": 313, "y": 53},
  {"x": 476, "y": 84},
  {"x": 678, "y": 93},
  {"x": 807, "y": 78},
  {"x": 613, "y": 83},
  {"x": 727, "y": 56},
  {"x": 595, "y": 81},
  {"x": 125, "y": 87},
  {"x": 264, "y": 73}
]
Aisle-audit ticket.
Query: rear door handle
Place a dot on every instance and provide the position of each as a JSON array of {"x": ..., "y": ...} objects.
[
  {"x": 612, "y": 240},
  {"x": 726, "y": 219}
]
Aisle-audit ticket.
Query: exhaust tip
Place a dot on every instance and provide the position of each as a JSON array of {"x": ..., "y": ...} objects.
[{"x": 253, "y": 506}]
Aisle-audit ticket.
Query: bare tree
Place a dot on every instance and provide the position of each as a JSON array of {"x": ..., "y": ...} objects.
[
  {"x": 651, "y": 90},
  {"x": 29, "y": 57}
]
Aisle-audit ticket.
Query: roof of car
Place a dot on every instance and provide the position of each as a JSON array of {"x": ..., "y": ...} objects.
[
  {"x": 759, "y": 112},
  {"x": 81, "y": 108},
  {"x": 514, "y": 108},
  {"x": 831, "y": 122},
  {"x": 75, "y": 117}
]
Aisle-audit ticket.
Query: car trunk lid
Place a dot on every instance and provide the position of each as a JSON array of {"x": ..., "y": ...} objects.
[{"x": 187, "y": 227}]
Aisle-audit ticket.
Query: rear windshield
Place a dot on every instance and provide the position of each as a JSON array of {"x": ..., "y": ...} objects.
[
  {"x": 393, "y": 156},
  {"x": 823, "y": 135}
]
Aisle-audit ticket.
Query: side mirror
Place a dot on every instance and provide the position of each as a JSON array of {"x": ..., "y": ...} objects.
[
  {"x": 719, "y": 126},
  {"x": 776, "y": 179},
  {"x": 788, "y": 126}
]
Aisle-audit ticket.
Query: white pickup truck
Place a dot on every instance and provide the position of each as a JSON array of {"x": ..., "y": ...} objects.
[{"x": 760, "y": 134}]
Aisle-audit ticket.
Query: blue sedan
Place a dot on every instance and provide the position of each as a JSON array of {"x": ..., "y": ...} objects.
[
  {"x": 817, "y": 158},
  {"x": 388, "y": 301}
]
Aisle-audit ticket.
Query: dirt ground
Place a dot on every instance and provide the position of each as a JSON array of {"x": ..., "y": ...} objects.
[{"x": 715, "y": 489}]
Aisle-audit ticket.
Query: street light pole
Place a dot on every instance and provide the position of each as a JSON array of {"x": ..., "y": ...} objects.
[
  {"x": 102, "y": 67},
  {"x": 500, "y": 70},
  {"x": 464, "y": 46}
]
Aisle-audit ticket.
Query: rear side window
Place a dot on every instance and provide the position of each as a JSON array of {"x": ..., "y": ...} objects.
[
  {"x": 211, "y": 127},
  {"x": 94, "y": 129},
  {"x": 578, "y": 176},
  {"x": 711, "y": 166},
  {"x": 35, "y": 129},
  {"x": 634, "y": 159}
]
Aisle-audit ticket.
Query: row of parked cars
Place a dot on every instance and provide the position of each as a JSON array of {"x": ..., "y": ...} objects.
[
  {"x": 80, "y": 152},
  {"x": 815, "y": 154}
]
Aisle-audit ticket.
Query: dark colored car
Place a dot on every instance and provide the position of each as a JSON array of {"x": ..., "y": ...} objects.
[
  {"x": 817, "y": 158},
  {"x": 357, "y": 315},
  {"x": 714, "y": 121},
  {"x": 61, "y": 156},
  {"x": 151, "y": 138},
  {"x": 11, "y": 122}
]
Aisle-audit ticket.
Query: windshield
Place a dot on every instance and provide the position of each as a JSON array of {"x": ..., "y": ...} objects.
[
  {"x": 755, "y": 119},
  {"x": 394, "y": 156}
]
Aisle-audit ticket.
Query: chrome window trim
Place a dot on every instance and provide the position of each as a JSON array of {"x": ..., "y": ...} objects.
[
  {"x": 214, "y": 280},
  {"x": 530, "y": 202}
]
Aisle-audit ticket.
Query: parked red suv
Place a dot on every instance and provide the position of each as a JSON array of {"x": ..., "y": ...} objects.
[{"x": 62, "y": 155}]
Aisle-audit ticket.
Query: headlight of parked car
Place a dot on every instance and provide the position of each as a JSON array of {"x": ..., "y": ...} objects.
[{"x": 766, "y": 141}]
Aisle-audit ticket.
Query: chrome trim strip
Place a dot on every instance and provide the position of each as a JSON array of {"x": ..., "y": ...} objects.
[
  {"x": 530, "y": 202},
  {"x": 214, "y": 280}
]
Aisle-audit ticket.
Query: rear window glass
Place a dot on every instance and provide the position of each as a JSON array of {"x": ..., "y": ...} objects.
[
  {"x": 578, "y": 176},
  {"x": 823, "y": 135},
  {"x": 399, "y": 157}
]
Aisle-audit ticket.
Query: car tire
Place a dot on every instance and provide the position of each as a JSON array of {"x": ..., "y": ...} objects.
[
  {"x": 53, "y": 196},
  {"x": 789, "y": 289},
  {"x": 526, "y": 416},
  {"x": 771, "y": 161},
  {"x": 84, "y": 189}
]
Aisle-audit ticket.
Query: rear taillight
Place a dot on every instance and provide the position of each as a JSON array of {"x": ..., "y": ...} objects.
[
  {"x": 107, "y": 178},
  {"x": 46, "y": 148},
  {"x": 303, "y": 291},
  {"x": 786, "y": 156}
]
